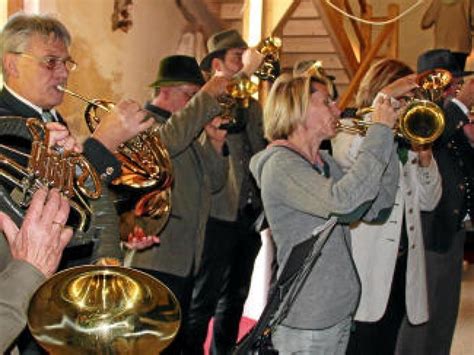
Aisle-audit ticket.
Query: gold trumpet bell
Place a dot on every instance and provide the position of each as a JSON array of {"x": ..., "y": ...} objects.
[
  {"x": 103, "y": 310},
  {"x": 422, "y": 122},
  {"x": 242, "y": 89},
  {"x": 270, "y": 48}
]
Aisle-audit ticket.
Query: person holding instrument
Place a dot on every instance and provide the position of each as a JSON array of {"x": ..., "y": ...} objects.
[
  {"x": 444, "y": 232},
  {"x": 186, "y": 111},
  {"x": 29, "y": 254},
  {"x": 390, "y": 256},
  {"x": 35, "y": 59},
  {"x": 310, "y": 188},
  {"x": 231, "y": 243}
]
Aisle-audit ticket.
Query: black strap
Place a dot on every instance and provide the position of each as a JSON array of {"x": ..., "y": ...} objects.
[{"x": 301, "y": 261}]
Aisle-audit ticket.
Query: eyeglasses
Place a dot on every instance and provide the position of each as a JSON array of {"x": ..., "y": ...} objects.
[{"x": 51, "y": 62}]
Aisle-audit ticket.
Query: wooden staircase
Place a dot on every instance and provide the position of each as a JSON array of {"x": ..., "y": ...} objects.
[
  {"x": 306, "y": 37},
  {"x": 312, "y": 30}
]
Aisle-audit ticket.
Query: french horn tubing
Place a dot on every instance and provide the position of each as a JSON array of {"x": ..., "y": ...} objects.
[
  {"x": 145, "y": 161},
  {"x": 69, "y": 172}
]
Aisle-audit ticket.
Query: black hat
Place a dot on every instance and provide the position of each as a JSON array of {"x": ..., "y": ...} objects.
[
  {"x": 178, "y": 69},
  {"x": 440, "y": 59},
  {"x": 219, "y": 42}
]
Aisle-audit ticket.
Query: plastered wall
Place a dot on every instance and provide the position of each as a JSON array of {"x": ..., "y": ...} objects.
[{"x": 114, "y": 64}]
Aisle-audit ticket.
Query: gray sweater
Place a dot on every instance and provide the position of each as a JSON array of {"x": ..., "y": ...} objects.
[{"x": 297, "y": 199}]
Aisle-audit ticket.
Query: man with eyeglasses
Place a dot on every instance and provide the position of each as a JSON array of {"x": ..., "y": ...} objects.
[{"x": 35, "y": 59}]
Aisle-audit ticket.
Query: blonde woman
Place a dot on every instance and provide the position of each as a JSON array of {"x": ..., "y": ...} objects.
[{"x": 302, "y": 186}]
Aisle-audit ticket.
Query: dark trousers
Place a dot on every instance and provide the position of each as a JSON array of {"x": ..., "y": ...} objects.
[
  {"x": 444, "y": 274},
  {"x": 380, "y": 338},
  {"x": 222, "y": 284},
  {"x": 182, "y": 288}
]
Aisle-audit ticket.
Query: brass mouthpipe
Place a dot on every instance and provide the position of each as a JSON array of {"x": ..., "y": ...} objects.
[{"x": 83, "y": 98}]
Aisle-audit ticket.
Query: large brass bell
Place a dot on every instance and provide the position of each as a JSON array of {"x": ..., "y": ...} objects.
[{"x": 103, "y": 310}]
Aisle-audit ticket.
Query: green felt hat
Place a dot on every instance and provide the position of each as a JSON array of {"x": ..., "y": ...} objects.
[
  {"x": 177, "y": 70},
  {"x": 219, "y": 42}
]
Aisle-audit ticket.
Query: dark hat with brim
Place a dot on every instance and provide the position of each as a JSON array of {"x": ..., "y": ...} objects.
[
  {"x": 178, "y": 70},
  {"x": 440, "y": 59},
  {"x": 220, "y": 42}
]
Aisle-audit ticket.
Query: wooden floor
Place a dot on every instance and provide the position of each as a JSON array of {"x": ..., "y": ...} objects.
[{"x": 463, "y": 342}]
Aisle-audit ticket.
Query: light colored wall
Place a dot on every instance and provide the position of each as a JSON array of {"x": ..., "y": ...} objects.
[
  {"x": 412, "y": 40},
  {"x": 113, "y": 65}
]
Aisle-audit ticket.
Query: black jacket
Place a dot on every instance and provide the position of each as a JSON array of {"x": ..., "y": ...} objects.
[
  {"x": 104, "y": 220},
  {"x": 455, "y": 158}
]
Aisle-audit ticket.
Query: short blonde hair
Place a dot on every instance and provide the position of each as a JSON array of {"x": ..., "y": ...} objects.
[
  {"x": 378, "y": 76},
  {"x": 286, "y": 106}
]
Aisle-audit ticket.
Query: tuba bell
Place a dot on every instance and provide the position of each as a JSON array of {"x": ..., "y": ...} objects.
[
  {"x": 422, "y": 121},
  {"x": 24, "y": 173},
  {"x": 146, "y": 165},
  {"x": 103, "y": 310}
]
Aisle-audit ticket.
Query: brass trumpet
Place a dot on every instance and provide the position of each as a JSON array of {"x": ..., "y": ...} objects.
[
  {"x": 241, "y": 89},
  {"x": 422, "y": 121},
  {"x": 69, "y": 172},
  {"x": 145, "y": 163},
  {"x": 270, "y": 67}
]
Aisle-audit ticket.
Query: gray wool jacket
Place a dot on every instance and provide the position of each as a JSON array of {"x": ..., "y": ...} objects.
[{"x": 297, "y": 199}]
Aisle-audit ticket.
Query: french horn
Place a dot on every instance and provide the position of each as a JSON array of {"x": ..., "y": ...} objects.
[
  {"x": 103, "y": 310},
  {"x": 23, "y": 173},
  {"x": 422, "y": 120},
  {"x": 146, "y": 164}
]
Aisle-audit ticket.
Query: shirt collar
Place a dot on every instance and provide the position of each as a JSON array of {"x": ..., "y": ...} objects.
[{"x": 27, "y": 102}]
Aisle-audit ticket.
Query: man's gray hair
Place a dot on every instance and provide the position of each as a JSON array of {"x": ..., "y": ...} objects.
[{"x": 20, "y": 27}]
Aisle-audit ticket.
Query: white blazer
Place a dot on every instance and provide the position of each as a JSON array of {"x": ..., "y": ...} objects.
[{"x": 375, "y": 247}]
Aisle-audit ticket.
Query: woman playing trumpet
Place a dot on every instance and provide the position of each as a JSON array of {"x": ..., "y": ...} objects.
[
  {"x": 303, "y": 186},
  {"x": 390, "y": 256}
]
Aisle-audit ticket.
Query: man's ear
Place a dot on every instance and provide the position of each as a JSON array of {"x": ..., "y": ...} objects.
[
  {"x": 10, "y": 65},
  {"x": 216, "y": 65}
]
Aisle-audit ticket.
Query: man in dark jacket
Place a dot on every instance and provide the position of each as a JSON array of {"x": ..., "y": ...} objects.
[
  {"x": 35, "y": 59},
  {"x": 443, "y": 228}
]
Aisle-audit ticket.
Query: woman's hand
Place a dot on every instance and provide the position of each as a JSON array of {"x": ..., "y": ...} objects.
[
  {"x": 400, "y": 87},
  {"x": 425, "y": 154},
  {"x": 384, "y": 113}
]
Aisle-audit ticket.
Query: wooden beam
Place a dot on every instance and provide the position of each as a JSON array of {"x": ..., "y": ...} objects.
[
  {"x": 14, "y": 6},
  {"x": 357, "y": 29},
  {"x": 364, "y": 65},
  {"x": 393, "y": 11},
  {"x": 278, "y": 30},
  {"x": 333, "y": 22}
]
